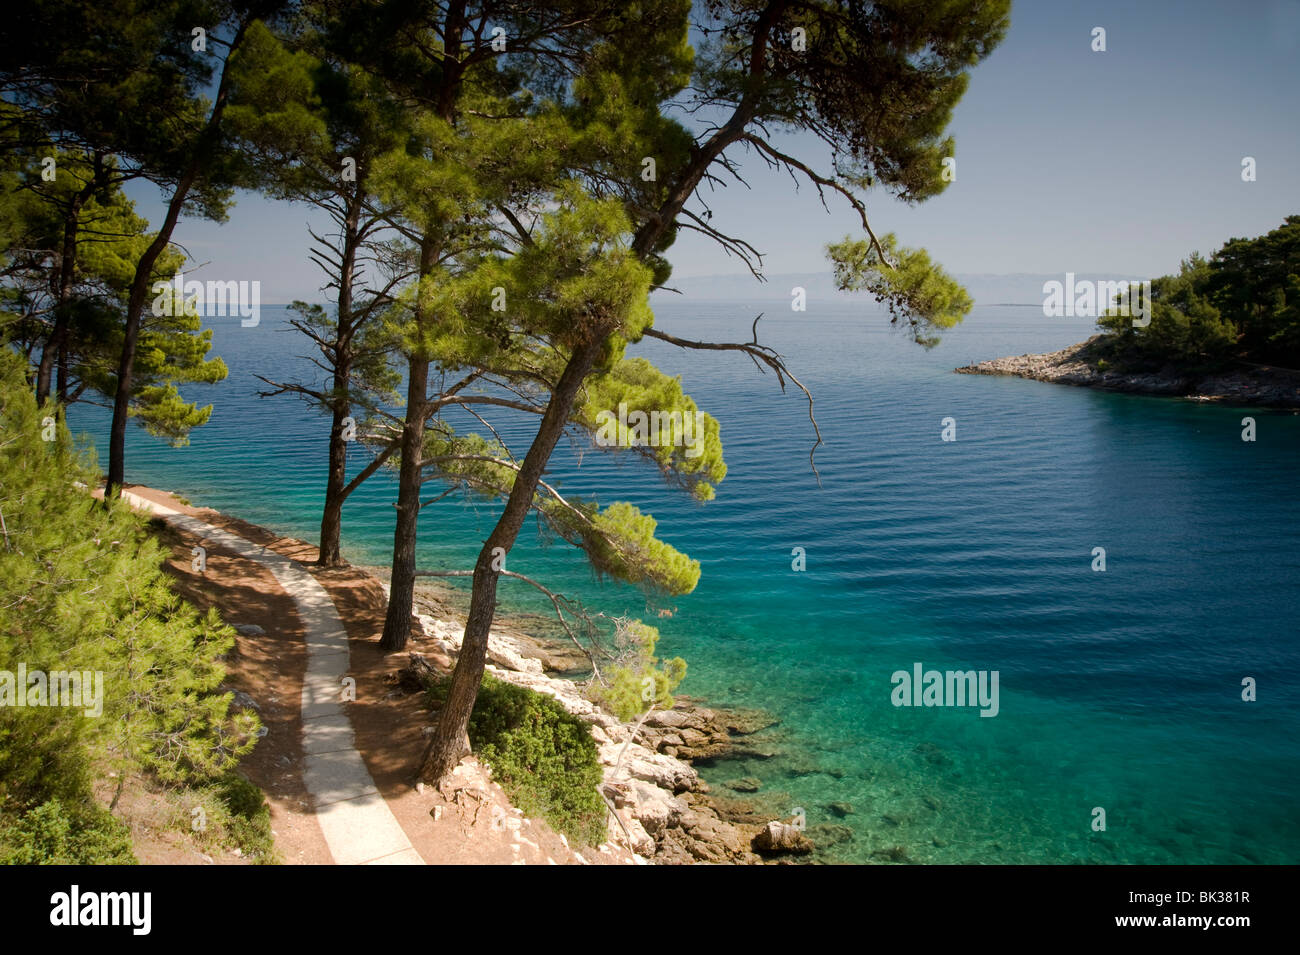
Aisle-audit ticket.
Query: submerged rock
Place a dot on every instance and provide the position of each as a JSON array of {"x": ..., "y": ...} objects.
[
  {"x": 893, "y": 854},
  {"x": 830, "y": 834}
]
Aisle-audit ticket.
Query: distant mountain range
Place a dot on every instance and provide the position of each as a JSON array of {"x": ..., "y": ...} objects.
[{"x": 1019, "y": 288}]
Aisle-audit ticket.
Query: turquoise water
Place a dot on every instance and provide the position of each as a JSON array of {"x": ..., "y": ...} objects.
[{"x": 1119, "y": 690}]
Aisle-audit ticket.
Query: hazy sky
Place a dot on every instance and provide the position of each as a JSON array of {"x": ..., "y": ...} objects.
[{"x": 1067, "y": 159}]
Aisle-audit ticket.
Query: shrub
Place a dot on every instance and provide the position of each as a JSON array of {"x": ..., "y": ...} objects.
[
  {"x": 235, "y": 816},
  {"x": 82, "y": 588},
  {"x": 55, "y": 833},
  {"x": 543, "y": 756}
]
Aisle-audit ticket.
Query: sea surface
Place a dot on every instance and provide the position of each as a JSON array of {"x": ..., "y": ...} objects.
[{"x": 1119, "y": 690}]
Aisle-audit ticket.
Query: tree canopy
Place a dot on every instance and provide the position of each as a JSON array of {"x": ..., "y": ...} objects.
[{"x": 1242, "y": 303}]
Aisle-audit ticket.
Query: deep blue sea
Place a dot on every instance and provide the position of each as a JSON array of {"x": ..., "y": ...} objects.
[{"x": 1118, "y": 690}]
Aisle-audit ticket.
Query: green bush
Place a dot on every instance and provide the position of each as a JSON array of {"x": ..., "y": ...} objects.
[
  {"x": 55, "y": 833},
  {"x": 82, "y": 588},
  {"x": 235, "y": 816},
  {"x": 543, "y": 756}
]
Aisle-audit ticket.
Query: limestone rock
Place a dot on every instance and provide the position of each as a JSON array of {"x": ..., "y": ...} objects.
[
  {"x": 779, "y": 837},
  {"x": 654, "y": 808},
  {"x": 640, "y": 763}
]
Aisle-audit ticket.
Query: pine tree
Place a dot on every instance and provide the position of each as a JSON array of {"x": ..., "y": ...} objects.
[
  {"x": 78, "y": 313},
  {"x": 82, "y": 589},
  {"x": 877, "y": 84},
  {"x": 156, "y": 122},
  {"x": 356, "y": 122}
]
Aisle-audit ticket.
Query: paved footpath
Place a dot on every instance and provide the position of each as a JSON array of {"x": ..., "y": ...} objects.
[{"x": 358, "y": 826}]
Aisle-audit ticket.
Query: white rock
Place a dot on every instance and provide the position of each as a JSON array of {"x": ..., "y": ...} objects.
[
  {"x": 640, "y": 763},
  {"x": 655, "y": 808},
  {"x": 502, "y": 651}
]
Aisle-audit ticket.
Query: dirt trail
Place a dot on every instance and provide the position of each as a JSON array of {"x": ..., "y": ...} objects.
[{"x": 466, "y": 820}]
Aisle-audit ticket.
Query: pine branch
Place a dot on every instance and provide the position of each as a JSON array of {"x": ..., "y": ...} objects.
[{"x": 757, "y": 353}]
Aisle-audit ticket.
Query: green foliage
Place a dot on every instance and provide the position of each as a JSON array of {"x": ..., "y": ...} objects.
[
  {"x": 574, "y": 279},
  {"x": 58, "y": 833},
  {"x": 1185, "y": 327},
  {"x": 235, "y": 816},
  {"x": 82, "y": 588},
  {"x": 877, "y": 81},
  {"x": 274, "y": 113},
  {"x": 118, "y": 76},
  {"x": 1255, "y": 284},
  {"x": 918, "y": 292},
  {"x": 640, "y": 386},
  {"x": 1243, "y": 302},
  {"x": 624, "y": 545},
  {"x": 638, "y": 679},
  {"x": 543, "y": 756},
  {"x": 171, "y": 350}
]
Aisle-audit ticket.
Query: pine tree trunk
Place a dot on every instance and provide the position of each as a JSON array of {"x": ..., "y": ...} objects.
[
  {"x": 61, "y": 386},
  {"x": 451, "y": 740},
  {"x": 56, "y": 345},
  {"x": 126, "y": 361},
  {"x": 142, "y": 281},
  {"x": 331, "y": 522},
  {"x": 401, "y": 584},
  {"x": 45, "y": 368}
]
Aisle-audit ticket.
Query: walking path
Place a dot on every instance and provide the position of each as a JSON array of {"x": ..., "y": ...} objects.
[{"x": 358, "y": 826}]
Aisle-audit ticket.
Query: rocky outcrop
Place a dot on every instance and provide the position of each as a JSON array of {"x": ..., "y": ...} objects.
[
  {"x": 502, "y": 651},
  {"x": 662, "y": 807},
  {"x": 699, "y": 732},
  {"x": 781, "y": 837},
  {"x": 1092, "y": 364}
]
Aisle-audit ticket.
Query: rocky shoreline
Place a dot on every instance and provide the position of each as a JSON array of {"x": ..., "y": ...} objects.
[
  {"x": 1092, "y": 364},
  {"x": 666, "y": 813}
]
